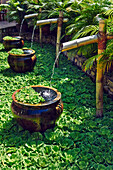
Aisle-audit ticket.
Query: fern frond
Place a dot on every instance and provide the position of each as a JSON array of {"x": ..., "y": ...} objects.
[
  {"x": 109, "y": 12},
  {"x": 4, "y": 6},
  {"x": 20, "y": 9},
  {"x": 89, "y": 63},
  {"x": 54, "y": 13},
  {"x": 85, "y": 31},
  {"x": 70, "y": 29}
]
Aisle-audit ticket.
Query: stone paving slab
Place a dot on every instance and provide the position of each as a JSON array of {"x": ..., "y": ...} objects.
[{"x": 6, "y": 24}]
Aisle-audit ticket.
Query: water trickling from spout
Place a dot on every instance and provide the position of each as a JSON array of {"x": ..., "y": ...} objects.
[
  {"x": 53, "y": 70},
  {"x": 33, "y": 36},
  {"x": 47, "y": 93},
  {"x": 21, "y": 27}
]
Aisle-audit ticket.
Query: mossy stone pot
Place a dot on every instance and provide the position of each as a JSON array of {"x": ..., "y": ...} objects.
[
  {"x": 41, "y": 116},
  {"x": 17, "y": 43},
  {"x": 23, "y": 62}
]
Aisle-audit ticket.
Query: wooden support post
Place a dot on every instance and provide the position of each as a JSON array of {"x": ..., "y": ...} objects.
[
  {"x": 40, "y": 29},
  {"x": 0, "y": 34},
  {"x": 99, "y": 76},
  {"x": 40, "y": 35},
  {"x": 59, "y": 28}
]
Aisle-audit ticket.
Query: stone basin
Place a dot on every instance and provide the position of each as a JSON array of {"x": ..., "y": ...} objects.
[
  {"x": 23, "y": 62},
  {"x": 40, "y": 116},
  {"x": 17, "y": 43}
]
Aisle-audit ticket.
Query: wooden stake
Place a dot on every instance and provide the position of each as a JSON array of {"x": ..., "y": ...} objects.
[
  {"x": 99, "y": 76},
  {"x": 40, "y": 30},
  {"x": 0, "y": 34},
  {"x": 59, "y": 28}
]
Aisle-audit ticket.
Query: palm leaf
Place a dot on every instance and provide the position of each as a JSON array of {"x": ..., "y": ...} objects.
[
  {"x": 109, "y": 12},
  {"x": 85, "y": 31},
  {"x": 20, "y": 9},
  {"x": 4, "y": 6},
  {"x": 70, "y": 29},
  {"x": 89, "y": 63}
]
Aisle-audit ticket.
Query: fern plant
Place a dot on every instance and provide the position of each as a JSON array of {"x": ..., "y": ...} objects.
[
  {"x": 57, "y": 6},
  {"x": 106, "y": 59},
  {"x": 86, "y": 23},
  {"x": 107, "y": 55}
]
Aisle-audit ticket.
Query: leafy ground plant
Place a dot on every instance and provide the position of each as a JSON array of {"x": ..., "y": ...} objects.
[
  {"x": 16, "y": 51},
  {"x": 29, "y": 95},
  {"x": 9, "y": 38},
  {"x": 79, "y": 141}
]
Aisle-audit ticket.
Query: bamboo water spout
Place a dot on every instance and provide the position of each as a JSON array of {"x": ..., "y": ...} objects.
[
  {"x": 30, "y": 16},
  {"x": 49, "y": 21},
  {"x": 79, "y": 42}
]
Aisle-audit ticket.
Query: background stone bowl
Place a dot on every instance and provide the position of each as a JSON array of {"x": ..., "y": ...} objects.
[{"x": 9, "y": 44}]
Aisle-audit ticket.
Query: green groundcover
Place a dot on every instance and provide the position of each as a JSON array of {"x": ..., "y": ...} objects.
[{"x": 79, "y": 139}]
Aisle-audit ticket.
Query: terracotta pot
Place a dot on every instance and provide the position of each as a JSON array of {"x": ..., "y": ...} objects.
[
  {"x": 38, "y": 117},
  {"x": 24, "y": 62},
  {"x": 9, "y": 44}
]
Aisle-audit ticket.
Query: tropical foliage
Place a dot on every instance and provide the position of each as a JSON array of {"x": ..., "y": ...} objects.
[
  {"x": 106, "y": 60},
  {"x": 87, "y": 22},
  {"x": 17, "y": 9},
  {"x": 83, "y": 15}
]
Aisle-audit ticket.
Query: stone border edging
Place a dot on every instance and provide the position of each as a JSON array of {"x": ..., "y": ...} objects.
[{"x": 108, "y": 80}]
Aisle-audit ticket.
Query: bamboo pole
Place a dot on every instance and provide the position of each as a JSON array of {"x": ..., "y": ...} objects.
[
  {"x": 49, "y": 21},
  {"x": 59, "y": 28},
  {"x": 79, "y": 42},
  {"x": 99, "y": 76},
  {"x": 40, "y": 30},
  {"x": 46, "y": 21},
  {"x": 30, "y": 16}
]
